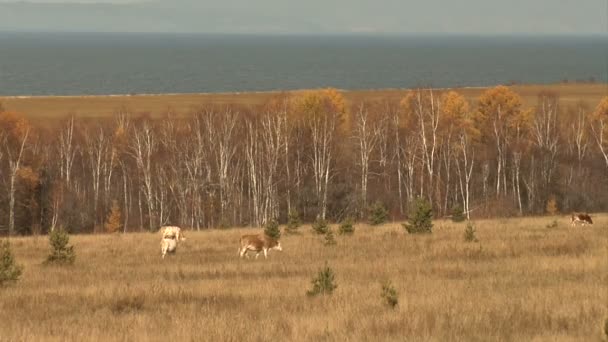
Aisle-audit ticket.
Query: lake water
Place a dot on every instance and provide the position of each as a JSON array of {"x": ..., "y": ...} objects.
[{"x": 92, "y": 63}]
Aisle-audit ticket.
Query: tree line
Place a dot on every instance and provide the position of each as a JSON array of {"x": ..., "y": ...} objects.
[{"x": 310, "y": 154}]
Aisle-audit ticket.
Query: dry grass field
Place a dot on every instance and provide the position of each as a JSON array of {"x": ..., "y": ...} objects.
[
  {"x": 522, "y": 281},
  {"x": 183, "y": 104}
]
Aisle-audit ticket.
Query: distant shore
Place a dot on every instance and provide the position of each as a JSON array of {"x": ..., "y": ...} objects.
[{"x": 184, "y": 103}]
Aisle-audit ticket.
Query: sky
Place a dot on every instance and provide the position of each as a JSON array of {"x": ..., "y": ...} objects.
[{"x": 309, "y": 16}]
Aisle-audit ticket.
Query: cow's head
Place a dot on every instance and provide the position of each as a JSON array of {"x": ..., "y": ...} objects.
[{"x": 278, "y": 246}]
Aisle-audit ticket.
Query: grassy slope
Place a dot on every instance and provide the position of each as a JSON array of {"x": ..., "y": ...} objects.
[
  {"x": 522, "y": 282},
  {"x": 93, "y": 106}
]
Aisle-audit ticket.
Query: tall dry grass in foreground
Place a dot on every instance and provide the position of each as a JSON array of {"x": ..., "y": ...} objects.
[{"x": 522, "y": 281}]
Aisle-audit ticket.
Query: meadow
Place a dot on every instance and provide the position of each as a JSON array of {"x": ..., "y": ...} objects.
[
  {"x": 525, "y": 279},
  {"x": 184, "y": 104}
]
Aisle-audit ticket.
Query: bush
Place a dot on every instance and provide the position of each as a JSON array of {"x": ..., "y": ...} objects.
[
  {"x": 329, "y": 238},
  {"x": 323, "y": 283},
  {"x": 9, "y": 270},
  {"x": 390, "y": 295},
  {"x": 458, "y": 213},
  {"x": 378, "y": 214},
  {"x": 346, "y": 227},
  {"x": 469, "y": 233},
  {"x": 320, "y": 226},
  {"x": 420, "y": 217},
  {"x": 113, "y": 222},
  {"x": 61, "y": 253},
  {"x": 272, "y": 229},
  {"x": 293, "y": 222},
  {"x": 551, "y": 207},
  {"x": 553, "y": 224}
]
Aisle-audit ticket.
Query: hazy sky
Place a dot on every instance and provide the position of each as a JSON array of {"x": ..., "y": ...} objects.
[{"x": 309, "y": 16}]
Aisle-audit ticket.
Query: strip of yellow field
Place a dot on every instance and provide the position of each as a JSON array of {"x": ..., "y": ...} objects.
[
  {"x": 157, "y": 104},
  {"x": 521, "y": 281}
]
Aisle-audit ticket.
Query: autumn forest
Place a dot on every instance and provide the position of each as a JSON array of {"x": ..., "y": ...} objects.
[{"x": 308, "y": 153}]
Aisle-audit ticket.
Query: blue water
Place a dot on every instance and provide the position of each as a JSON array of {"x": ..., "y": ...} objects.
[{"x": 92, "y": 63}]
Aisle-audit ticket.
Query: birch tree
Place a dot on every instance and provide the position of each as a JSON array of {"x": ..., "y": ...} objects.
[
  {"x": 545, "y": 136},
  {"x": 599, "y": 127},
  {"x": 322, "y": 112},
  {"x": 222, "y": 141},
  {"x": 498, "y": 108},
  {"x": 17, "y": 131},
  {"x": 423, "y": 108},
  {"x": 143, "y": 146},
  {"x": 368, "y": 135}
]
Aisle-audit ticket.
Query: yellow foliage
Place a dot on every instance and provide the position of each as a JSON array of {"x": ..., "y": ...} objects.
[
  {"x": 601, "y": 114},
  {"x": 320, "y": 102},
  {"x": 503, "y": 106},
  {"x": 552, "y": 206},
  {"x": 454, "y": 106},
  {"x": 113, "y": 223},
  {"x": 601, "y": 111}
]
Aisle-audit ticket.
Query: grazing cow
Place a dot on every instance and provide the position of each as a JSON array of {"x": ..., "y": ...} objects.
[
  {"x": 258, "y": 243},
  {"x": 171, "y": 235},
  {"x": 168, "y": 245},
  {"x": 582, "y": 218},
  {"x": 172, "y": 231}
]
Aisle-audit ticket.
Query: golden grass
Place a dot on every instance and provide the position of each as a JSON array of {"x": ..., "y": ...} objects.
[
  {"x": 100, "y": 106},
  {"x": 521, "y": 282}
]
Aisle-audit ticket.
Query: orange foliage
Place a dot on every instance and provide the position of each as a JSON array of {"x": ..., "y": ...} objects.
[
  {"x": 113, "y": 222},
  {"x": 601, "y": 112},
  {"x": 503, "y": 106},
  {"x": 14, "y": 125},
  {"x": 29, "y": 177},
  {"x": 454, "y": 106}
]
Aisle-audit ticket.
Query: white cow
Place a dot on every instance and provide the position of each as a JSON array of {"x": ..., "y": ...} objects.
[{"x": 171, "y": 235}]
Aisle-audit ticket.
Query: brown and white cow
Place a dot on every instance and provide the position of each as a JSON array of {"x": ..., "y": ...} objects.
[
  {"x": 258, "y": 243},
  {"x": 582, "y": 218},
  {"x": 171, "y": 235}
]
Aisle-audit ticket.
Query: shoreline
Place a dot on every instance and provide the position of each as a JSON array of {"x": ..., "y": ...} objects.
[
  {"x": 53, "y": 106},
  {"x": 279, "y": 91}
]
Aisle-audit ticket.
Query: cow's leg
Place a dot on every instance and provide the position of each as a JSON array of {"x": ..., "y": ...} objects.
[
  {"x": 265, "y": 253},
  {"x": 257, "y": 255}
]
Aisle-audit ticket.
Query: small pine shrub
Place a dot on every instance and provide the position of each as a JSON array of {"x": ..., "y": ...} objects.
[
  {"x": 128, "y": 304},
  {"x": 458, "y": 214},
  {"x": 553, "y": 224},
  {"x": 293, "y": 222},
  {"x": 347, "y": 227},
  {"x": 113, "y": 222},
  {"x": 330, "y": 240},
  {"x": 551, "y": 207},
  {"x": 9, "y": 270},
  {"x": 323, "y": 283},
  {"x": 469, "y": 233},
  {"x": 390, "y": 295},
  {"x": 420, "y": 217},
  {"x": 223, "y": 224},
  {"x": 272, "y": 229},
  {"x": 61, "y": 253},
  {"x": 378, "y": 214},
  {"x": 320, "y": 226}
]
